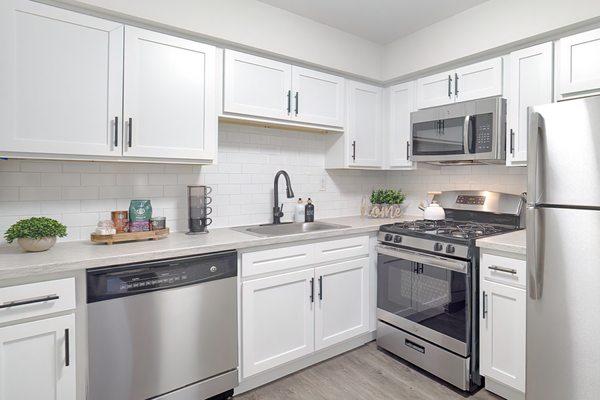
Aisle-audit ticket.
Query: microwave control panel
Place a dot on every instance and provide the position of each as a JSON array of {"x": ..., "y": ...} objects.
[{"x": 483, "y": 133}]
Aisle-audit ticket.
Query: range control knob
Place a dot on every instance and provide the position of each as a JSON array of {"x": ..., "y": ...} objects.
[
  {"x": 388, "y": 237},
  {"x": 397, "y": 239},
  {"x": 450, "y": 249},
  {"x": 438, "y": 247}
]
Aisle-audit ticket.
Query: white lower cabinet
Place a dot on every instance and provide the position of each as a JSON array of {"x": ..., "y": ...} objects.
[
  {"x": 288, "y": 315},
  {"x": 342, "y": 302},
  {"x": 502, "y": 332},
  {"x": 277, "y": 318},
  {"x": 37, "y": 360}
]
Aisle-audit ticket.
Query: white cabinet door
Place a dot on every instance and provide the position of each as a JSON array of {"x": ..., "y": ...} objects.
[
  {"x": 277, "y": 320},
  {"x": 476, "y": 81},
  {"x": 61, "y": 80},
  {"x": 435, "y": 90},
  {"x": 342, "y": 298},
  {"x": 169, "y": 97},
  {"x": 530, "y": 74},
  {"x": 502, "y": 331},
  {"x": 318, "y": 97},
  {"x": 364, "y": 129},
  {"x": 35, "y": 362},
  {"x": 401, "y": 102},
  {"x": 257, "y": 86},
  {"x": 579, "y": 63}
]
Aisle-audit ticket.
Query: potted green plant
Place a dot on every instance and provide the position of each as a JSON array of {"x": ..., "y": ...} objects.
[
  {"x": 35, "y": 234},
  {"x": 387, "y": 203}
]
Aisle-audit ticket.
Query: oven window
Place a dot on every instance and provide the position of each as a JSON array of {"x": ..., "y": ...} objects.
[
  {"x": 438, "y": 137},
  {"x": 430, "y": 296}
]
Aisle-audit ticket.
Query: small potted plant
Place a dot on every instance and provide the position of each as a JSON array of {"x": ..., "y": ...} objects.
[
  {"x": 387, "y": 203},
  {"x": 35, "y": 234}
]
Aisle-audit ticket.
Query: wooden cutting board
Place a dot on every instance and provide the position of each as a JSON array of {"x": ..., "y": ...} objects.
[{"x": 130, "y": 236}]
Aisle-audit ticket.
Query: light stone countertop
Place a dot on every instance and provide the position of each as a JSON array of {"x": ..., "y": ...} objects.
[
  {"x": 513, "y": 242},
  {"x": 80, "y": 255}
]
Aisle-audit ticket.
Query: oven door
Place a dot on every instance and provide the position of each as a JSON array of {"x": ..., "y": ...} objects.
[{"x": 426, "y": 295}]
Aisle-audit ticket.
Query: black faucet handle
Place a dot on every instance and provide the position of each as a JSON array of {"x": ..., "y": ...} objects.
[{"x": 281, "y": 209}]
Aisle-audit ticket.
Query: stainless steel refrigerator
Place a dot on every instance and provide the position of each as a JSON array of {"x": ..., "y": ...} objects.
[{"x": 563, "y": 251}]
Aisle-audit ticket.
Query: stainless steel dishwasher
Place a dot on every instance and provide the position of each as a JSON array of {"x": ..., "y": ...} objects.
[{"x": 164, "y": 329}]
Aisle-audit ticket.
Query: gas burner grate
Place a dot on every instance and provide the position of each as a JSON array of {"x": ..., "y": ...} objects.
[{"x": 449, "y": 228}]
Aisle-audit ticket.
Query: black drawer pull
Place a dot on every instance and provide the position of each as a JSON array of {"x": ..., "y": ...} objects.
[{"x": 25, "y": 302}]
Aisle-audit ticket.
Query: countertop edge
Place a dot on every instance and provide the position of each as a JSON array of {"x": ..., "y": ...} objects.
[{"x": 128, "y": 256}]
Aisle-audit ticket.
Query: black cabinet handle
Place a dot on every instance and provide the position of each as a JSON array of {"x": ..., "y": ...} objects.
[
  {"x": 67, "y": 351},
  {"x": 407, "y": 149},
  {"x": 354, "y": 150},
  {"x": 484, "y": 313},
  {"x": 320, "y": 287},
  {"x": 25, "y": 302},
  {"x": 449, "y": 86},
  {"x": 129, "y": 140},
  {"x": 297, "y": 97},
  {"x": 289, "y": 98},
  {"x": 512, "y": 144},
  {"x": 456, "y": 84},
  {"x": 414, "y": 346},
  {"x": 312, "y": 290},
  {"x": 116, "y": 131}
]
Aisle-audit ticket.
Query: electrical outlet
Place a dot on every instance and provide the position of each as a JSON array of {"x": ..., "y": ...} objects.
[{"x": 323, "y": 183}]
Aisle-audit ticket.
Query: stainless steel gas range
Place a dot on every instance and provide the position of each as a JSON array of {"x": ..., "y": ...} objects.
[{"x": 428, "y": 283}]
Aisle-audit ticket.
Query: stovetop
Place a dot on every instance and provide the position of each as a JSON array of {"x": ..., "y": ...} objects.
[{"x": 446, "y": 229}]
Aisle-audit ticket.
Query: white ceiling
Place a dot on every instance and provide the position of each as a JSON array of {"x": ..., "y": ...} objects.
[{"x": 380, "y": 21}]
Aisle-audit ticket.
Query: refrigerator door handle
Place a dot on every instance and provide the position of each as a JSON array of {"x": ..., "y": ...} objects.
[
  {"x": 535, "y": 266},
  {"x": 536, "y": 129}
]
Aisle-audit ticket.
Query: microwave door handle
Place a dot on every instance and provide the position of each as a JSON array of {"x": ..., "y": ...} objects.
[{"x": 466, "y": 134}]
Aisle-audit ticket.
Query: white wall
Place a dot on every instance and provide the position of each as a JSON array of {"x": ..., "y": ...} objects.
[
  {"x": 81, "y": 193},
  {"x": 256, "y": 25},
  {"x": 491, "y": 25}
]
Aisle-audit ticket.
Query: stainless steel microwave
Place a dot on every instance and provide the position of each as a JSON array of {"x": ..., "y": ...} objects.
[{"x": 463, "y": 133}]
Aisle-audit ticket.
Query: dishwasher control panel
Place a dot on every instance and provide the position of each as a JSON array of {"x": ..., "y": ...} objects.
[{"x": 130, "y": 279}]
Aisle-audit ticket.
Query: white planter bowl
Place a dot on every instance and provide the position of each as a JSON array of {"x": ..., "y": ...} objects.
[{"x": 41, "y": 244}]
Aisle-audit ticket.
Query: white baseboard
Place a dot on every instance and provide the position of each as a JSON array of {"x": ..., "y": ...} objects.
[
  {"x": 262, "y": 378},
  {"x": 503, "y": 390}
]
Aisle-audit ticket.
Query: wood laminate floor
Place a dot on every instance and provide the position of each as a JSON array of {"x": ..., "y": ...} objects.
[{"x": 365, "y": 373}]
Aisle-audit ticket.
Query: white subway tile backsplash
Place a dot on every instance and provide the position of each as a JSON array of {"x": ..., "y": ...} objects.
[
  {"x": 81, "y": 193},
  {"x": 39, "y": 193}
]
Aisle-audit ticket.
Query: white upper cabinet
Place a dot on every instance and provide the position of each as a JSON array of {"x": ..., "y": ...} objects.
[
  {"x": 169, "y": 97},
  {"x": 530, "y": 84},
  {"x": 342, "y": 301},
  {"x": 579, "y": 64},
  {"x": 318, "y": 97},
  {"x": 364, "y": 125},
  {"x": 61, "y": 80},
  {"x": 480, "y": 80},
  {"x": 400, "y": 101},
  {"x": 257, "y": 86},
  {"x": 37, "y": 360},
  {"x": 435, "y": 90},
  {"x": 477, "y": 81}
]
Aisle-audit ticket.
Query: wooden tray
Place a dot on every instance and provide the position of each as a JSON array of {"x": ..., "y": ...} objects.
[{"x": 130, "y": 236}]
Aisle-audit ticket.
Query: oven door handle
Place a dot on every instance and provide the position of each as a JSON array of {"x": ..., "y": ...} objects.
[{"x": 440, "y": 262}]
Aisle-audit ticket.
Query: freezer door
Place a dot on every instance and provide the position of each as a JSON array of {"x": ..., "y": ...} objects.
[
  {"x": 563, "y": 304},
  {"x": 564, "y": 153}
]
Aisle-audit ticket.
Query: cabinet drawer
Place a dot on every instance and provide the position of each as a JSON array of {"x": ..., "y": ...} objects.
[
  {"x": 505, "y": 270},
  {"x": 335, "y": 250},
  {"x": 265, "y": 261},
  {"x": 36, "y": 299}
]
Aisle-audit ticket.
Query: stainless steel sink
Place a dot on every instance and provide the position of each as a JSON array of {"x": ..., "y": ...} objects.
[{"x": 287, "y": 228}]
